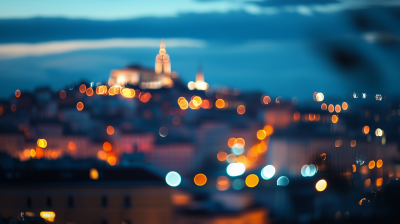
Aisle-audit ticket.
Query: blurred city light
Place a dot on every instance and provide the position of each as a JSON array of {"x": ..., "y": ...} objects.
[
  {"x": 283, "y": 181},
  {"x": 200, "y": 179},
  {"x": 235, "y": 169},
  {"x": 173, "y": 179},
  {"x": 268, "y": 172},
  {"x": 321, "y": 185}
]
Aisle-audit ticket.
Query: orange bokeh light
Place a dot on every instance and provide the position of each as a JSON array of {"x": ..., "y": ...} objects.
[
  {"x": 345, "y": 106},
  {"x": 379, "y": 163},
  {"x": 94, "y": 174},
  {"x": 71, "y": 146},
  {"x": 82, "y": 88},
  {"x": 79, "y": 106},
  {"x": 110, "y": 130},
  {"x": 337, "y": 108},
  {"x": 323, "y": 106},
  {"x": 112, "y": 160},
  {"x": 222, "y": 183},
  {"x": 241, "y": 109},
  {"x": 222, "y": 156},
  {"x": 379, "y": 182},
  {"x": 266, "y": 99},
  {"x": 220, "y": 103},
  {"x": 102, "y": 155},
  {"x": 200, "y": 179},
  {"x": 331, "y": 108},
  {"x": 353, "y": 143},
  {"x": 367, "y": 183},
  {"x": 335, "y": 119},
  {"x": 107, "y": 146},
  {"x": 354, "y": 168},
  {"x": 231, "y": 142},
  {"x": 371, "y": 164},
  {"x": 365, "y": 129},
  {"x": 269, "y": 130},
  {"x": 240, "y": 142},
  {"x": 63, "y": 94},
  {"x": 261, "y": 134},
  {"x": 89, "y": 92},
  {"x": 206, "y": 104},
  {"x": 17, "y": 93},
  {"x": 296, "y": 116}
]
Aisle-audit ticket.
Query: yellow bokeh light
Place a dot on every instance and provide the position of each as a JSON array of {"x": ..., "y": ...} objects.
[
  {"x": 321, "y": 185},
  {"x": 94, "y": 174},
  {"x": 371, "y": 164},
  {"x": 200, "y": 179},
  {"x": 48, "y": 215},
  {"x": 378, "y": 132},
  {"x": 32, "y": 153},
  {"x": 261, "y": 134},
  {"x": 197, "y": 101},
  {"x": 252, "y": 180},
  {"x": 42, "y": 143}
]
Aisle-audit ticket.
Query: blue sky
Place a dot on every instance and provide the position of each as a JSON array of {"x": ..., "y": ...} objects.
[{"x": 283, "y": 48}]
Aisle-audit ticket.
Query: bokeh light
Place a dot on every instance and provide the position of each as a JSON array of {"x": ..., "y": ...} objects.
[
  {"x": 268, "y": 172},
  {"x": 112, "y": 160},
  {"x": 63, "y": 94},
  {"x": 354, "y": 168},
  {"x": 261, "y": 134},
  {"x": 89, "y": 92},
  {"x": 266, "y": 99},
  {"x": 252, "y": 180},
  {"x": 71, "y": 146},
  {"x": 335, "y": 118},
  {"x": 345, "y": 106},
  {"x": 321, "y": 185},
  {"x": 94, "y": 174},
  {"x": 79, "y": 106},
  {"x": 222, "y": 183},
  {"x": 238, "y": 184},
  {"x": 220, "y": 103},
  {"x": 241, "y": 109},
  {"x": 337, "y": 108},
  {"x": 200, "y": 179},
  {"x": 379, "y": 163},
  {"x": 282, "y": 181},
  {"x": 331, "y": 108},
  {"x": 222, "y": 156},
  {"x": 231, "y": 142},
  {"x": 173, "y": 179},
  {"x": 107, "y": 147},
  {"x": 365, "y": 130},
  {"x": 240, "y": 142},
  {"x": 231, "y": 158},
  {"x": 324, "y": 107},
  {"x": 378, "y": 132},
  {"x": 237, "y": 149},
  {"x": 17, "y": 93},
  {"x": 82, "y": 88},
  {"x": 269, "y": 130},
  {"x": 163, "y": 131},
  {"x": 235, "y": 169},
  {"x": 110, "y": 130},
  {"x": 371, "y": 164}
]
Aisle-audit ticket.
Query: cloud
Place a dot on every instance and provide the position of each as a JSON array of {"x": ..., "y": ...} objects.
[{"x": 8, "y": 51}]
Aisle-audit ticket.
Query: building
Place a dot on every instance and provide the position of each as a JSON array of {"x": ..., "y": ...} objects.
[
  {"x": 146, "y": 78},
  {"x": 80, "y": 196}
]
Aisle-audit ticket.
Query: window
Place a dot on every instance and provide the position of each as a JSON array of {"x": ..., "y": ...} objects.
[
  {"x": 104, "y": 202},
  {"x": 71, "y": 202},
  {"x": 29, "y": 202},
  {"x": 127, "y": 202},
  {"x": 49, "y": 202}
]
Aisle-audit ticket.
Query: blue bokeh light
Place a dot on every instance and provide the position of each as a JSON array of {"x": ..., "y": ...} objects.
[
  {"x": 268, "y": 172},
  {"x": 173, "y": 179}
]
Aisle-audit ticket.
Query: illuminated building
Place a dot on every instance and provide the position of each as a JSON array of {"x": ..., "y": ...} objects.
[
  {"x": 118, "y": 195},
  {"x": 146, "y": 78},
  {"x": 199, "y": 84}
]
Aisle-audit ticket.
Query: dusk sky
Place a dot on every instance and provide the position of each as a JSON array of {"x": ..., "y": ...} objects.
[{"x": 283, "y": 48}]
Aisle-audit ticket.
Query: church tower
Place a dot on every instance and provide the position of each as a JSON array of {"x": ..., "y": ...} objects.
[{"x": 163, "y": 64}]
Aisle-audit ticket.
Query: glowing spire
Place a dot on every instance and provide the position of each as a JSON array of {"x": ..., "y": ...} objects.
[{"x": 163, "y": 64}]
